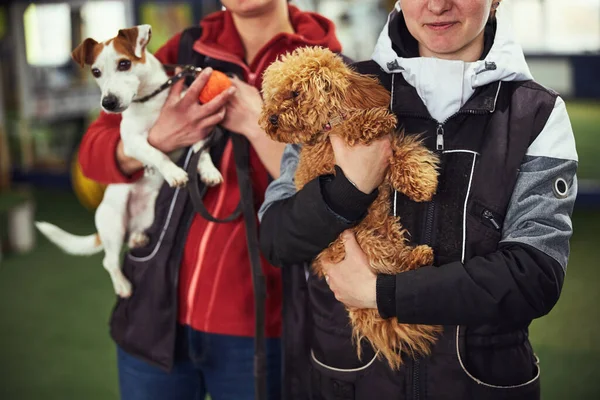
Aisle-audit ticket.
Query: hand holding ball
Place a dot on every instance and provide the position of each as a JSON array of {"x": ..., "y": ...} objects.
[{"x": 216, "y": 84}]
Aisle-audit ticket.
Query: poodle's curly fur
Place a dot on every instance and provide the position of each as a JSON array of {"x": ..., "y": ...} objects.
[{"x": 304, "y": 92}]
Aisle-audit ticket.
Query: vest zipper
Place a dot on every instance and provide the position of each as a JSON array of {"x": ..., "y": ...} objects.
[
  {"x": 440, "y": 137},
  {"x": 416, "y": 380},
  {"x": 487, "y": 214},
  {"x": 428, "y": 239},
  {"x": 430, "y": 216},
  {"x": 429, "y": 221}
]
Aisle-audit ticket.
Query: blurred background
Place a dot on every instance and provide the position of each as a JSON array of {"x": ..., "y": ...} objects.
[{"x": 54, "y": 308}]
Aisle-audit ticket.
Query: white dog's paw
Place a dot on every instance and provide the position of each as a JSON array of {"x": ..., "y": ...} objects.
[
  {"x": 175, "y": 176},
  {"x": 122, "y": 286},
  {"x": 138, "y": 239},
  {"x": 210, "y": 175}
]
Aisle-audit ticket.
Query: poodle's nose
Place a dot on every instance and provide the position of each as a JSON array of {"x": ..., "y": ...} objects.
[{"x": 273, "y": 119}]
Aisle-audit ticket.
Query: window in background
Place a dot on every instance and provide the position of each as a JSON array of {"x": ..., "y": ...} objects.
[
  {"x": 527, "y": 22},
  {"x": 47, "y": 34},
  {"x": 555, "y": 26},
  {"x": 103, "y": 19},
  {"x": 572, "y": 26},
  {"x": 166, "y": 20}
]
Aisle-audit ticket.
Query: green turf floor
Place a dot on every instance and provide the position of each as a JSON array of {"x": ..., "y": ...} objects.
[
  {"x": 54, "y": 308},
  {"x": 585, "y": 119}
]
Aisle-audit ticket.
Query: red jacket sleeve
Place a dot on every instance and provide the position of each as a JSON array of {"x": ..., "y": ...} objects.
[{"x": 98, "y": 146}]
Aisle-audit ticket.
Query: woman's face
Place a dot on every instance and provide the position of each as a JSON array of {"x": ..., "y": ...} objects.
[
  {"x": 249, "y": 8},
  {"x": 449, "y": 29}
]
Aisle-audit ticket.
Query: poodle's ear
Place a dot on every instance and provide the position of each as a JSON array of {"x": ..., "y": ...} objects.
[
  {"x": 332, "y": 83},
  {"x": 325, "y": 80},
  {"x": 365, "y": 91}
]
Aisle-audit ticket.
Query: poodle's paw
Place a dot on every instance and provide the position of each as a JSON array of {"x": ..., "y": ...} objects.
[{"x": 420, "y": 256}]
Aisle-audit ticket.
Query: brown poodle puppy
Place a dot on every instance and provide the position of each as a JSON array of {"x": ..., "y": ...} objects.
[{"x": 311, "y": 94}]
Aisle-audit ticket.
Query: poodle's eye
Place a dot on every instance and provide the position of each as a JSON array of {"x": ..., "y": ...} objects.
[{"x": 295, "y": 93}]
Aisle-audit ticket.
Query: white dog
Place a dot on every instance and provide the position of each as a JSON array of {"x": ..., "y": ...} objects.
[{"x": 125, "y": 71}]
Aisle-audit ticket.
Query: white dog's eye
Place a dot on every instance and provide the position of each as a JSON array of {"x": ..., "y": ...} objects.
[
  {"x": 124, "y": 65},
  {"x": 96, "y": 72}
]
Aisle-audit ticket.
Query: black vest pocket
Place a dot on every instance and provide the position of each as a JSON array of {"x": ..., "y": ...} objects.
[
  {"x": 336, "y": 371},
  {"x": 499, "y": 366},
  {"x": 373, "y": 380},
  {"x": 331, "y": 333}
]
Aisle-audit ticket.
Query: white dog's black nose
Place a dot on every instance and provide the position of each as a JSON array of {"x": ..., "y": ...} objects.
[
  {"x": 273, "y": 119},
  {"x": 110, "y": 102}
]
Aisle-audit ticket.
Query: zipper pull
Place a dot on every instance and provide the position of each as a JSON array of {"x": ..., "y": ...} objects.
[
  {"x": 440, "y": 137},
  {"x": 487, "y": 214}
]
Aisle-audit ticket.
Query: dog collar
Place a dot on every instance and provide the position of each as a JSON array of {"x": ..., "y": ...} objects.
[
  {"x": 336, "y": 120},
  {"x": 188, "y": 70}
]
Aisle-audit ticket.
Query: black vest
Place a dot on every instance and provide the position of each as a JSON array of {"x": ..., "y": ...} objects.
[{"x": 483, "y": 147}]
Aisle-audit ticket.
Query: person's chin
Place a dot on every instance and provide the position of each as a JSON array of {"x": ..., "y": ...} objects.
[
  {"x": 443, "y": 47},
  {"x": 252, "y": 8}
]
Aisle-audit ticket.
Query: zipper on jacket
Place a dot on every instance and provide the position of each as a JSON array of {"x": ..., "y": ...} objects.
[
  {"x": 430, "y": 216},
  {"x": 429, "y": 221},
  {"x": 439, "y": 141},
  {"x": 487, "y": 214},
  {"x": 416, "y": 380},
  {"x": 428, "y": 236}
]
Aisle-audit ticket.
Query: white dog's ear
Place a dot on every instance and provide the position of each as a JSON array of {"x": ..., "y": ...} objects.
[
  {"x": 84, "y": 53},
  {"x": 144, "y": 36},
  {"x": 136, "y": 38}
]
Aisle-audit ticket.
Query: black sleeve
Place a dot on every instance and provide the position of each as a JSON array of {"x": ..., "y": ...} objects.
[
  {"x": 515, "y": 284},
  {"x": 296, "y": 229}
]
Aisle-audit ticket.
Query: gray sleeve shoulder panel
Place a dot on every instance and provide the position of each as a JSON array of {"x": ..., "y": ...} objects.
[
  {"x": 284, "y": 186},
  {"x": 540, "y": 209}
]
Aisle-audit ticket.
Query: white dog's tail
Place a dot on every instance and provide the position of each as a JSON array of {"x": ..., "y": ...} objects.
[{"x": 69, "y": 243}]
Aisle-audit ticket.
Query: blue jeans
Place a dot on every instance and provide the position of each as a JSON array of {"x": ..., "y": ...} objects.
[{"x": 219, "y": 365}]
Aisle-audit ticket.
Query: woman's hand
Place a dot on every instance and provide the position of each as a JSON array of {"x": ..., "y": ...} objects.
[
  {"x": 243, "y": 111},
  {"x": 242, "y": 115},
  {"x": 183, "y": 121},
  {"x": 352, "y": 281},
  {"x": 365, "y": 166}
]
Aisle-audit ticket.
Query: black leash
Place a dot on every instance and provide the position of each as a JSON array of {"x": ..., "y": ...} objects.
[
  {"x": 197, "y": 189},
  {"x": 241, "y": 152},
  {"x": 187, "y": 70}
]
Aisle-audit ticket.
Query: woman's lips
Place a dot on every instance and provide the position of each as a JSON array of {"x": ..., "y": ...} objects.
[{"x": 441, "y": 26}]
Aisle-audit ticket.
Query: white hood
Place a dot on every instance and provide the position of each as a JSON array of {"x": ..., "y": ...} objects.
[{"x": 445, "y": 85}]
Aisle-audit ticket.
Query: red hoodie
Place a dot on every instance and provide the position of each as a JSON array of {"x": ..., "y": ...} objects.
[{"x": 215, "y": 284}]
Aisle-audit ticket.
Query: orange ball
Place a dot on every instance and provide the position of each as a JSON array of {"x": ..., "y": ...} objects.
[{"x": 217, "y": 83}]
